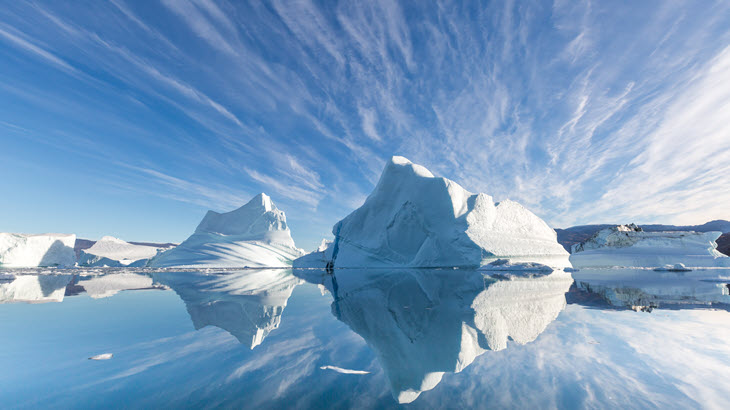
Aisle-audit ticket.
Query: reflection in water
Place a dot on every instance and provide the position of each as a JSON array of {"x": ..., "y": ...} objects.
[
  {"x": 246, "y": 304},
  {"x": 423, "y": 323},
  {"x": 104, "y": 286},
  {"x": 644, "y": 290},
  {"x": 41, "y": 288},
  {"x": 34, "y": 288}
]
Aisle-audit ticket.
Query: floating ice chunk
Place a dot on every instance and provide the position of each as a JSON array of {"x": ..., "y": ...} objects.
[
  {"x": 254, "y": 235},
  {"x": 29, "y": 250},
  {"x": 414, "y": 219},
  {"x": 343, "y": 371},
  {"x": 679, "y": 267}
]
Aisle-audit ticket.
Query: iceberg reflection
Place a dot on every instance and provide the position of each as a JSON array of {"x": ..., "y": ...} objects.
[
  {"x": 34, "y": 288},
  {"x": 424, "y": 323},
  {"x": 246, "y": 304},
  {"x": 645, "y": 290}
]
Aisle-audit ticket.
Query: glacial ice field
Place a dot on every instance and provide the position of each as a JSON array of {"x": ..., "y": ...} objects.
[{"x": 378, "y": 338}]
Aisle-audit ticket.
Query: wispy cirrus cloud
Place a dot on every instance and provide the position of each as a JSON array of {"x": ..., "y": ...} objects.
[{"x": 559, "y": 105}]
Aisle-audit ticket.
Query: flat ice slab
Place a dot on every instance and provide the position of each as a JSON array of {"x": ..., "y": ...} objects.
[{"x": 629, "y": 246}]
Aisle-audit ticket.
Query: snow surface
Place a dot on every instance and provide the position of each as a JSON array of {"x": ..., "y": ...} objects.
[
  {"x": 628, "y": 246},
  {"x": 247, "y": 304},
  {"x": 414, "y": 219},
  {"x": 423, "y": 323},
  {"x": 254, "y": 235},
  {"x": 29, "y": 250},
  {"x": 34, "y": 288},
  {"x": 114, "y": 252}
]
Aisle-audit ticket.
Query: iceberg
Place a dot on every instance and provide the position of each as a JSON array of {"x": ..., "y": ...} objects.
[
  {"x": 317, "y": 259},
  {"x": 34, "y": 288},
  {"x": 414, "y": 219},
  {"x": 255, "y": 235},
  {"x": 423, "y": 323},
  {"x": 630, "y": 246},
  {"x": 18, "y": 250},
  {"x": 248, "y": 304},
  {"x": 113, "y": 252}
]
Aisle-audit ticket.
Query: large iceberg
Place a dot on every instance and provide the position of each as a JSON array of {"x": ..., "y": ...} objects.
[
  {"x": 414, "y": 219},
  {"x": 630, "y": 246},
  {"x": 29, "y": 250},
  {"x": 114, "y": 252},
  {"x": 248, "y": 304},
  {"x": 254, "y": 235},
  {"x": 424, "y": 323}
]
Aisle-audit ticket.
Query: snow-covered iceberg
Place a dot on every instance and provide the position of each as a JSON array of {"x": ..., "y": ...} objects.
[
  {"x": 424, "y": 323},
  {"x": 414, "y": 219},
  {"x": 114, "y": 252},
  {"x": 29, "y": 250},
  {"x": 247, "y": 304},
  {"x": 34, "y": 288},
  {"x": 254, "y": 235},
  {"x": 630, "y": 246}
]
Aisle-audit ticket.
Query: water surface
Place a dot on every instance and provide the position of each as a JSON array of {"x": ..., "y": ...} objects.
[{"x": 362, "y": 339}]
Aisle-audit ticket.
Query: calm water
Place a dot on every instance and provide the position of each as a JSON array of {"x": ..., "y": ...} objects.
[{"x": 364, "y": 339}]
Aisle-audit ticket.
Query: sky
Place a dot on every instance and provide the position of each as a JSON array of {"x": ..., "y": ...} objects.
[{"x": 132, "y": 118}]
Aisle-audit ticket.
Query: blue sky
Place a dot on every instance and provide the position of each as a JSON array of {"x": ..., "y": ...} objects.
[{"x": 131, "y": 118}]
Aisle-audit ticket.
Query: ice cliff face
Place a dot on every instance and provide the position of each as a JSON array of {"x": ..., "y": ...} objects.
[
  {"x": 29, "y": 250},
  {"x": 248, "y": 305},
  {"x": 114, "y": 252},
  {"x": 415, "y": 219},
  {"x": 254, "y": 235},
  {"x": 629, "y": 246},
  {"x": 424, "y": 323}
]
